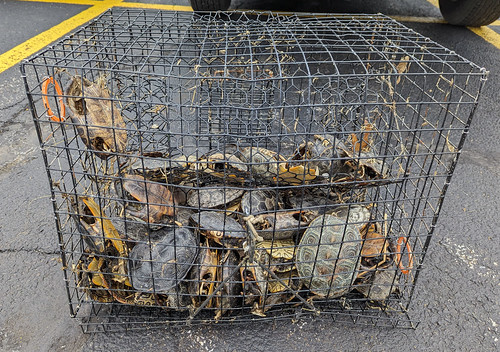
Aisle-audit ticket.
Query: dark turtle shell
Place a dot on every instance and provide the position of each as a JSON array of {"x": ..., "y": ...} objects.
[
  {"x": 380, "y": 286},
  {"x": 328, "y": 256},
  {"x": 163, "y": 264}
]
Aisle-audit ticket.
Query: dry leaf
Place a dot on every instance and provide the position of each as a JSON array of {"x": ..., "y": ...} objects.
[{"x": 402, "y": 67}]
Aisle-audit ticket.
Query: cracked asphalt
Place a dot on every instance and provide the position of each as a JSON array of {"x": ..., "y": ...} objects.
[{"x": 457, "y": 299}]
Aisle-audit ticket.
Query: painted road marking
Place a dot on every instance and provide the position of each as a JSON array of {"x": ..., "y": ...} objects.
[
  {"x": 141, "y": 5},
  {"x": 488, "y": 34},
  {"x": 434, "y": 2},
  {"x": 38, "y": 42},
  {"x": 70, "y": 2}
]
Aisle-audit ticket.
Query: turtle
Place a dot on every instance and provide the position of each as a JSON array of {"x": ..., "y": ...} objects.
[
  {"x": 227, "y": 167},
  {"x": 276, "y": 279},
  {"x": 263, "y": 162},
  {"x": 182, "y": 216},
  {"x": 355, "y": 214},
  {"x": 277, "y": 255},
  {"x": 272, "y": 166},
  {"x": 281, "y": 291},
  {"x": 364, "y": 162},
  {"x": 379, "y": 285},
  {"x": 158, "y": 266},
  {"x": 229, "y": 296},
  {"x": 294, "y": 173},
  {"x": 91, "y": 233},
  {"x": 179, "y": 297},
  {"x": 219, "y": 227},
  {"x": 213, "y": 197},
  {"x": 259, "y": 201},
  {"x": 312, "y": 204},
  {"x": 161, "y": 167},
  {"x": 320, "y": 152},
  {"x": 89, "y": 282},
  {"x": 149, "y": 202},
  {"x": 203, "y": 275},
  {"x": 375, "y": 245},
  {"x": 270, "y": 221},
  {"x": 251, "y": 290},
  {"x": 290, "y": 278},
  {"x": 280, "y": 225},
  {"x": 97, "y": 119},
  {"x": 328, "y": 256}
]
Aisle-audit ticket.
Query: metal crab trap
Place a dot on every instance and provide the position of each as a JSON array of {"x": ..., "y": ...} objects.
[{"x": 238, "y": 167}]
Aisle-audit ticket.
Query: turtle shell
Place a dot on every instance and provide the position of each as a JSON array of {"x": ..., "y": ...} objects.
[
  {"x": 97, "y": 118},
  {"x": 374, "y": 163},
  {"x": 224, "y": 166},
  {"x": 259, "y": 201},
  {"x": 163, "y": 264},
  {"x": 355, "y": 214},
  {"x": 328, "y": 256},
  {"x": 282, "y": 225},
  {"x": 320, "y": 153},
  {"x": 289, "y": 278},
  {"x": 151, "y": 202},
  {"x": 229, "y": 296},
  {"x": 380, "y": 285},
  {"x": 264, "y": 162},
  {"x": 220, "y": 227},
  {"x": 277, "y": 255},
  {"x": 316, "y": 204},
  {"x": 212, "y": 197}
]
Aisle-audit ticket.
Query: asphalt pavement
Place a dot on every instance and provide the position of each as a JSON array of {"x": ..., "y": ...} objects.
[{"x": 457, "y": 299}]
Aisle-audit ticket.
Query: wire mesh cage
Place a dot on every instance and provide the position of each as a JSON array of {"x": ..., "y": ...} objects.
[{"x": 235, "y": 167}]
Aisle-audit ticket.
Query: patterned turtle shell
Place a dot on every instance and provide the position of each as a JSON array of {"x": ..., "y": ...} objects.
[
  {"x": 162, "y": 265},
  {"x": 328, "y": 256}
]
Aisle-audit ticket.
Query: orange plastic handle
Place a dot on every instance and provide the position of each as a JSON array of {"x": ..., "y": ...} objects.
[
  {"x": 45, "y": 99},
  {"x": 404, "y": 270}
]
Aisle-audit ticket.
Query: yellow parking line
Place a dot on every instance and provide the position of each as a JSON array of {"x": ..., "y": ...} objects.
[
  {"x": 434, "y": 2},
  {"x": 141, "y": 5},
  {"x": 38, "y": 42},
  {"x": 70, "y": 2},
  {"x": 488, "y": 34}
]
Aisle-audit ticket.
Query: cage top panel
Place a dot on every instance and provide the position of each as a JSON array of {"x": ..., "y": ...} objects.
[{"x": 250, "y": 46}]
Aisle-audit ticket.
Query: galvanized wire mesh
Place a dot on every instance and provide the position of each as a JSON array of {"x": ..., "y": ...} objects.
[{"x": 246, "y": 166}]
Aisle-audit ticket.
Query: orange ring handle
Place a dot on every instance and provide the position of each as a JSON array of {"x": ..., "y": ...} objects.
[
  {"x": 404, "y": 270},
  {"x": 45, "y": 99}
]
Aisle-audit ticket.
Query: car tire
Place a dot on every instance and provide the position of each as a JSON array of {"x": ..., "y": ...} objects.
[
  {"x": 210, "y": 5},
  {"x": 472, "y": 13}
]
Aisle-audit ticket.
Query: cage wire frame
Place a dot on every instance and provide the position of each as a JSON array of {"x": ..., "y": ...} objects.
[{"x": 156, "y": 128}]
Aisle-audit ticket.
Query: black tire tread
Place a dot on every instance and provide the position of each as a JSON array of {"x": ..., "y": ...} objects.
[
  {"x": 210, "y": 5},
  {"x": 474, "y": 13}
]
